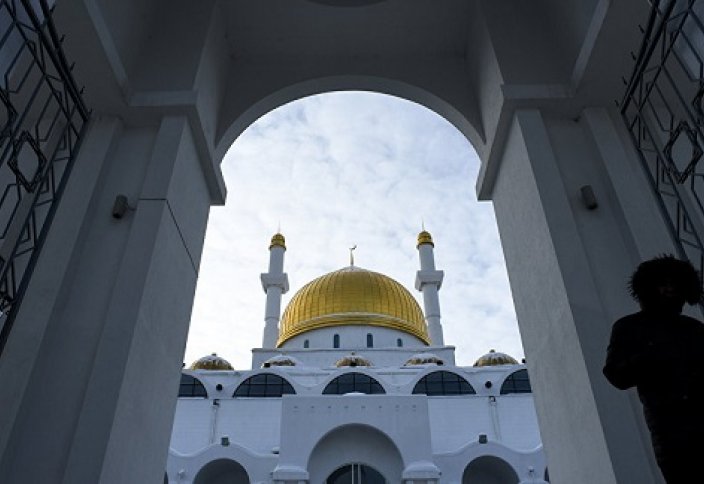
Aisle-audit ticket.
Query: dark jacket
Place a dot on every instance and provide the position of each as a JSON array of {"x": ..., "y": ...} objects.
[{"x": 663, "y": 357}]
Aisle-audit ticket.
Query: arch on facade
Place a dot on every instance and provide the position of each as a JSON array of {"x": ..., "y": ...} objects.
[
  {"x": 266, "y": 385},
  {"x": 353, "y": 381},
  {"x": 222, "y": 471},
  {"x": 355, "y": 444},
  {"x": 488, "y": 469},
  {"x": 442, "y": 383},
  {"x": 516, "y": 382},
  {"x": 191, "y": 386}
]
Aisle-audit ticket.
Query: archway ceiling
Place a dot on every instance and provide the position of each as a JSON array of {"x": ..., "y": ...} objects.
[
  {"x": 389, "y": 29},
  {"x": 215, "y": 60},
  {"x": 135, "y": 46}
]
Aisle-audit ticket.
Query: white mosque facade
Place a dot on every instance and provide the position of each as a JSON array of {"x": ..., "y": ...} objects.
[{"x": 354, "y": 385}]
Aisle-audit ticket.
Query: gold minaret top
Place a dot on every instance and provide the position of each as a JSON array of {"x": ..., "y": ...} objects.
[
  {"x": 425, "y": 238},
  {"x": 278, "y": 240}
]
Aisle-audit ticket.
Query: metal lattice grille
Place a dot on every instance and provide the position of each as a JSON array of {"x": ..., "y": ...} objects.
[
  {"x": 42, "y": 118},
  {"x": 664, "y": 111}
]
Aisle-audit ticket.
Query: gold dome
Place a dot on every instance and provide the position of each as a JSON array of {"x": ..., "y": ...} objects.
[
  {"x": 277, "y": 240},
  {"x": 425, "y": 238},
  {"x": 352, "y": 296},
  {"x": 494, "y": 358}
]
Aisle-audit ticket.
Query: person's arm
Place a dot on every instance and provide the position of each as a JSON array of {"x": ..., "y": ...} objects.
[{"x": 625, "y": 362}]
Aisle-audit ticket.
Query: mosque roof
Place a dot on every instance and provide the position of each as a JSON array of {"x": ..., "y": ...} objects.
[{"x": 352, "y": 296}]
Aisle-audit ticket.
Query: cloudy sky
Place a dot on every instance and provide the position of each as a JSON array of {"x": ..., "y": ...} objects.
[{"x": 343, "y": 169}]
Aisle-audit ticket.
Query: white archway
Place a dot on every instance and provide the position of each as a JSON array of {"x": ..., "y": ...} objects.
[
  {"x": 167, "y": 84},
  {"x": 355, "y": 444}
]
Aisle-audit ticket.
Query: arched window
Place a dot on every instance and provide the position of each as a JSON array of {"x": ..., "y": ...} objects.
[
  {"x": 306, "y": 344},
  {"x": 353, "y": 382},
  {"x": 336, "y": 341},
  {"x": 443, "y": 383},
  {"x": 370, "y": 340},
  {"x": 191, "y": 387},
  {"x": 516, "y": 382},
  {"x": 264, "y": 385},
  {"x": 356, "y": 473},
  {"x": 399, "y": 343}
]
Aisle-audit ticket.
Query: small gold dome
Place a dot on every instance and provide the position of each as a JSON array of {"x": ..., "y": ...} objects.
[
  {"x": 494, "y": 358},
  {"x": 277, "y": 240},
  {"x": 425, "y": 238},
  {"x": 424, "y": 359},
  {"x": 353, "y": 360},
  {"x": 352, "y": 296},
  {"x": 211, "y": 362},
  {"x": 280, "y": 360}
]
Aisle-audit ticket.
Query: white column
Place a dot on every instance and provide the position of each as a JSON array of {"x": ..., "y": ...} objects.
[
  {"x": 428, "y": 281},
  {"x": 274, "y": 283},
  {"x": 568, "y": 269},
  {"x": 100, "y": 336}
]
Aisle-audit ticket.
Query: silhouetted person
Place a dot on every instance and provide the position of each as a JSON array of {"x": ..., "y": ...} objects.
[{"x": 661, "y": 352}]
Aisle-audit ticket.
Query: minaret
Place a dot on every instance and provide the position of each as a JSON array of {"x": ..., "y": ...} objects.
[
  {"x": 274, "y": 283},
  {"x": 428, "y": 281}
]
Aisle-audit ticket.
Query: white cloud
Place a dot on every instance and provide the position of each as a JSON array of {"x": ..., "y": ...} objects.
[{"x": 351, "y": 168}]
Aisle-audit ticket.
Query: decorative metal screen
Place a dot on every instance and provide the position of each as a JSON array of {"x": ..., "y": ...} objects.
[
  {"x": 42, "y": 119},
  {"x": 664, "y": 110}
]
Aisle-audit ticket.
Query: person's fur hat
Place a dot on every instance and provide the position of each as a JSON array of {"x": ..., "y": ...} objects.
[{"x": 654, "y": 272}]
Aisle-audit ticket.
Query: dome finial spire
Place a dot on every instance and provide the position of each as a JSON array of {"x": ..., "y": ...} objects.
[{"x": 352, "y": 255}]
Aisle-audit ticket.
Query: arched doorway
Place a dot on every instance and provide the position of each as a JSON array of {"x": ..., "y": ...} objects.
[
  {"x": 355, "y": 474},
  {"x": 352, "y": 452},
  {"x": 222, "y": 471},
  {"x": 488, "y": 469}
]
